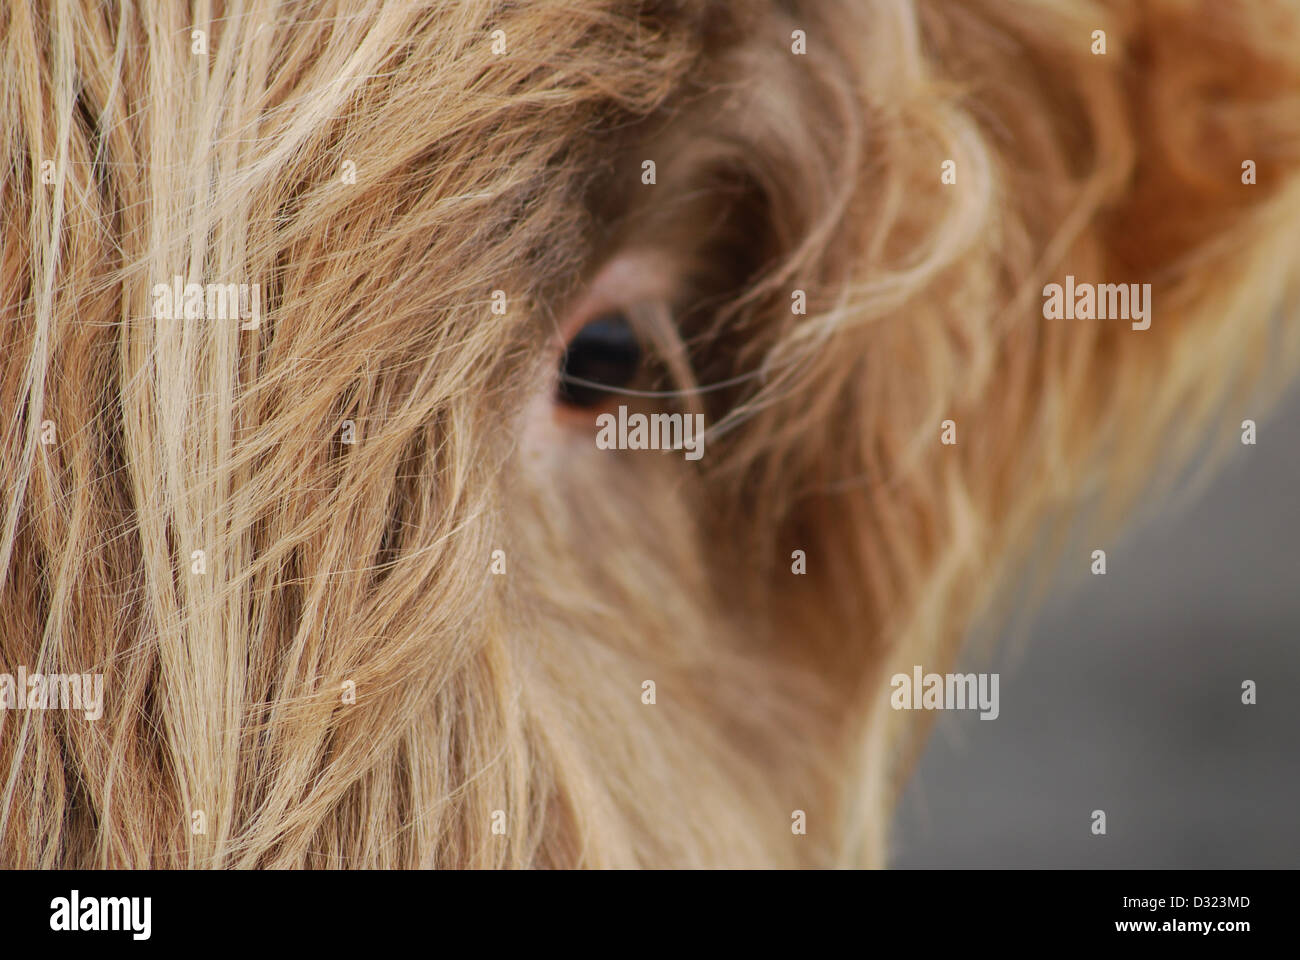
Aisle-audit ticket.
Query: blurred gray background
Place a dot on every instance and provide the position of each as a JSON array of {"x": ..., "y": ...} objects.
[{"x": 1125, "y": 696}]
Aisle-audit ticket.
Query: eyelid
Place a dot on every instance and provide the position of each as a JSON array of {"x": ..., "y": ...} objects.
[{"x": 631, "y": 277}]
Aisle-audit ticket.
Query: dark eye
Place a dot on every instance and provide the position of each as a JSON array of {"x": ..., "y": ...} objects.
[{"x": 602, "y": 357}]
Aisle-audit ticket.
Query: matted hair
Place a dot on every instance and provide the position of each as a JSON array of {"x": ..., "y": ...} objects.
[{"x": 182, "y": 517}]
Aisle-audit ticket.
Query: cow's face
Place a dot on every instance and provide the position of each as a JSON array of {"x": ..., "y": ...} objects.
[{"x": 625, "y": 392}]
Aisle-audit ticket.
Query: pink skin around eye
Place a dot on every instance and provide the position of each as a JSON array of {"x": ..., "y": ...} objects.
[{"x": 631, "y": 277}]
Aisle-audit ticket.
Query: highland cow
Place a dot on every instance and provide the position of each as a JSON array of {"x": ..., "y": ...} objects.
[{"x": 362, "y": 586}]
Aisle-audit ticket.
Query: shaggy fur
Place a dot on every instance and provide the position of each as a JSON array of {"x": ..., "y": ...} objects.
[{"x": 370, "y": 562}]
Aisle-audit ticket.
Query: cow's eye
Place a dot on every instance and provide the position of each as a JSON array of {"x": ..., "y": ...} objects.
[{"x": 602, "y": 358}]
